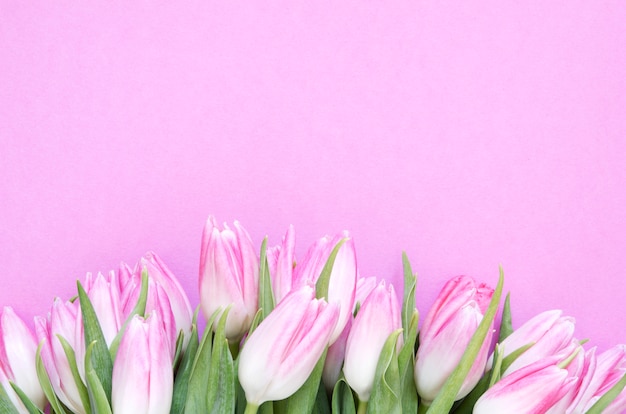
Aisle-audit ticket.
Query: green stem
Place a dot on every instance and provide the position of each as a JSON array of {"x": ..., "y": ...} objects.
[
  {"x": 362, "y": 407},
  {"x": 423, "y": 408},
  {"x": 251, "y": 408}
]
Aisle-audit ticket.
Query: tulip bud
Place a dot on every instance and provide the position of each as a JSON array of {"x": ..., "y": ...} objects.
[
  {"x": 104, "y": 295},
  {"x": 62, "y": 321},
  {"x": 281, "y": 353},
  {"x": 143, "y": 379},
  {"x": 535, "y": 388},
  {"x": 377, "y": 318},
  {"x": 550, "y": 332},
  {"x": 364, "y": 285},
  {"x": 178, "y": 301},
  {"x": 281, "y": 262},
  {"x": 17, "y": 356},
  {"x": 445, "y": 335},
  {"x": 229, "y": 275},
  {"x": 334, "y": 358}
]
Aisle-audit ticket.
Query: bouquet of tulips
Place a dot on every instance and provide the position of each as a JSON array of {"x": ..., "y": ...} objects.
[{"x": 281, "y": 337}]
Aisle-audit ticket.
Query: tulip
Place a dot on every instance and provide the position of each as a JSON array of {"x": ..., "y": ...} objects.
[
  {"x": 229, "y": 275},
  {"x": 281, "y": 261},
  {"x": 281, "y": 353},
  {"x": 143, "y": 379},
  {"x": 334, "y": 359},
  {"x": 104, "y": 295},
  {"x": 342, "y": 283},
  {"x": 377, "y": 318},
  {"x": 179, "y": 303},
  {"x": 17, "y": 356},
  {"x": 604, "y": 371},
  {"x": 13, "y": 397},
  {"x": 550, "y": 332},
  {"x": 364, "y": 285},
  {"x": 61, "y": 321},
  {"x": 445, "y": 335},
  {"x": 533, "y": 389}
]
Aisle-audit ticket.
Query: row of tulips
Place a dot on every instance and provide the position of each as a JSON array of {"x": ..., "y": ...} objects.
[{"x": 282, "y": 337}]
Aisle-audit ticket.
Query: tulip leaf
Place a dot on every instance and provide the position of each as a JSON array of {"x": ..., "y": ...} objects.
[
  {"x": 102, "y": 361},
  {"x": 266, "y": 296},
  {"x": 323, "y": 282},
  {"x": 406, "y": 365},
  {"x": 46, "y": 385},
  {"x": 178, "y": 353},
  {"x": 138, "y": 309},
  {"x": 444, "y": 401},
  {"x": 386, "y": 391},
  {"x": 608, "y": 397},
  {"x": 98, "y": 399},
  {"x": 221, "y": 393},
  {"x": 322, "y": 405},
  {"x": 303, "y": 400},
  {"x": 6, "y": 406},
  {"x": 196, "y": 401},
  {"x": 71, "y": 359},
  {"x": 408, "y": 303},
  {"x": 343, "y": 400},
  {"x": 496, "y": 372},
  {"x": 258, "y": 318},
  {"x": 181, "y": 383},
  {"x": 506, "y": 323},
  {"x": 30, "y": 407}
]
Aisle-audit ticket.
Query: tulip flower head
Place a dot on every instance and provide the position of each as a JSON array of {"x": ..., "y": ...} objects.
[
  {"x": 377, "y": 318},
  {"x": 229, "y": 275},
  {"x": 143, "y": 379},
  {"x": 281, "y": 353},
  {"x": 17, "y": 356},
  {"x": 533, "y": 389},
  {"x": 445, "y": 334}
]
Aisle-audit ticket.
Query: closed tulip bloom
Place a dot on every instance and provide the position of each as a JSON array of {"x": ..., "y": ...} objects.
[
  {"x": 104, "y": 295},
  {"x": 445, "y": 334},
  {"x": 377, "y": 318},
  {"x": 281, "y": 353},
  {"x": 281, "y": 260},
  {"x": 550, "y": 332},
  {"x": 179, "y": 302},
  {"x": 62, "y": 322},
  {"x": 229, "y": 275},
  {"x": 334, "y": 358},
  {"x": 143, "y": 379},
  {"x": 533, "y": 389},
  {"x": 17, "y": 355}
]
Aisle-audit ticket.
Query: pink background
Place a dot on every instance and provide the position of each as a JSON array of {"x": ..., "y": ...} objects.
[{"x": 467, "y": 133}]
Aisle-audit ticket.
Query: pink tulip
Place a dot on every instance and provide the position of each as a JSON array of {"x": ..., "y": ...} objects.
[
  {"x": 281, "y": 353},
  {"x": 377, "y": 318},
  {"x": 143, "y": 379},
  {"x": 17, "y": 355},
  {"x": 178, "y": 301},
  {"x": 533, "y": 389},
  {"x": 364, "y": 285},
  {"x": 445, "y": 334},
  {"x": 549, "y": 331},
  {"x": 229, "y": 275},
  {"x": 61, "y": 321},
  {"x": 104, "y": 295},
  {"x": 281, "y": 259},
  {"x": 604, "y": 371},
  {"x": 342, "y": 284},
  {"x": 335, "y": 357}
]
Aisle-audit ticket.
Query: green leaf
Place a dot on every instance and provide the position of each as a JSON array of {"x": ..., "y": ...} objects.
[
  {"x": 138, "y": 309},
  {"x": 496, "y": 372},
  {"x": 445, "y": 399},
  {"x": 98, "y": 398},
  {"x": 510, "y": 358},
  {"x": 71, "y": 359},
  {"x": 30, "y": 407},
  {"x": 258, "y": 317},
  {"x": 406, "y": 365},
  {"x": 608, "y": 397},
  {"x": 46, "y": 385},
  {"x": 303, "y": 400},
  {"x": 178, "y": 353},
  {"x": 181, "y": 383},
  {"x": 408, "y": 303},
  {"x": 196, "y": 401},
  {"x": 321, "y": 287},
  {"x": 102, "y": 362},
  {"x": 322, "y": 405},
  {"x": 266, "y": 296},
  {"x": 343, "y": 399},
  {"x": 506, "y": 324},
  {"x": 6, "y": 406},
  {"x": 221, "y": 396},
  {"x": 386, "y": 392}
]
